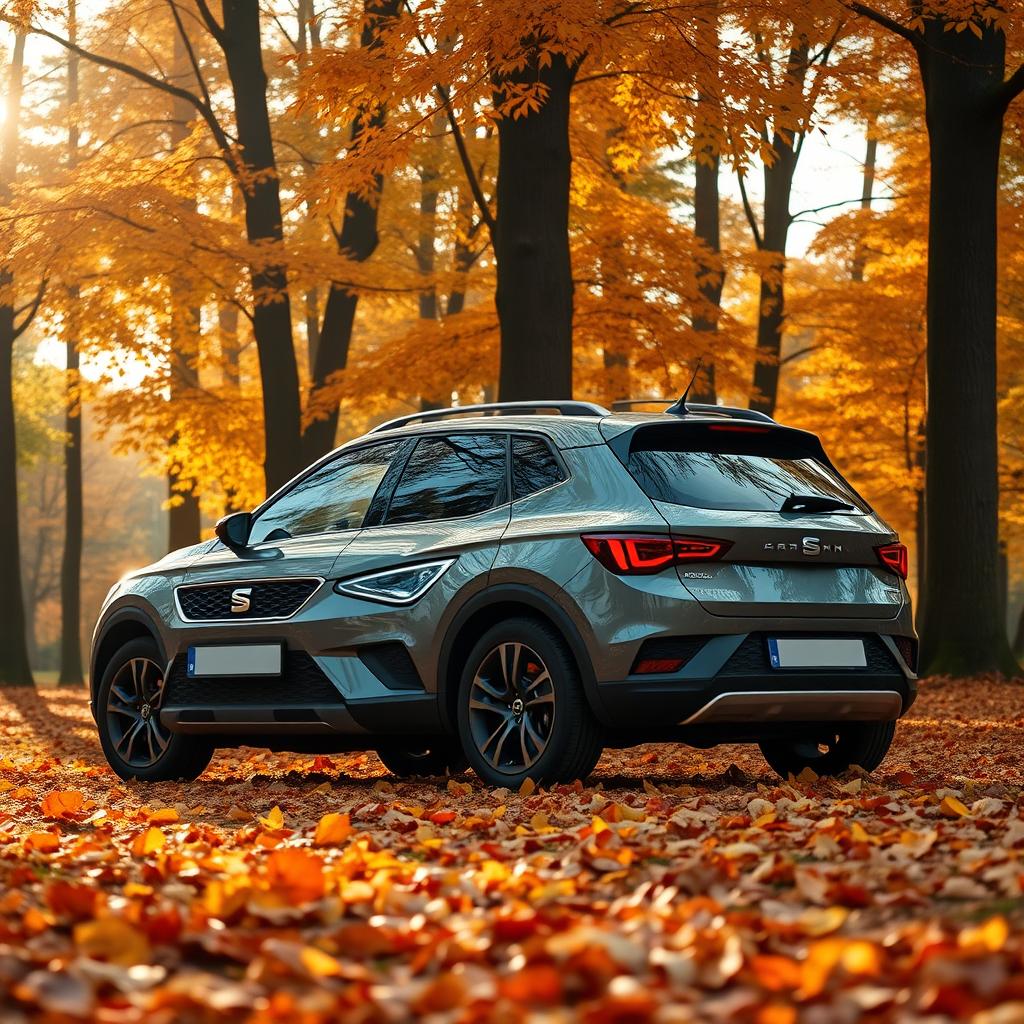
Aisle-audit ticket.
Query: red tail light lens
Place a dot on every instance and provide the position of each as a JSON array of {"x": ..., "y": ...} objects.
[
  {"x": 646, "y": 554},
  {"x": 894, "y": 558}
]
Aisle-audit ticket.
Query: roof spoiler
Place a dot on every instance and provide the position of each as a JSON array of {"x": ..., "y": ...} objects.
[{"x": 695, "y": 408}]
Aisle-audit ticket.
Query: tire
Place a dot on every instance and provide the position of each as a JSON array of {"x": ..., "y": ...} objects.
[
  {"x": 850, "y": 743},
  {"x": 439, "y": 756},
  {"x": 128, "y": 700},
  {"x": 521, "y": 683}
]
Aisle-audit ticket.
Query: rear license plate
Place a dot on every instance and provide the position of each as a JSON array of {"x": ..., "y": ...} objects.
[
  {"x": 791, "y": 652},
  {"x": 235, "y": 660}
]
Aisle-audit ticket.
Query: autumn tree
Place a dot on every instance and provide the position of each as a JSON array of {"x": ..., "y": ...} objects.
[
  {"x": 14, "y": 319},
  {"x": 961, "y": 52}
]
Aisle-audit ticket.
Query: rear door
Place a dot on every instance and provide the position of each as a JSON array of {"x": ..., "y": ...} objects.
[{"x": 803, "y": 542}]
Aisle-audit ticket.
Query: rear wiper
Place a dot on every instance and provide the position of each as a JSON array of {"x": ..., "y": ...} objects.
[{"x": 814, "y": 503}]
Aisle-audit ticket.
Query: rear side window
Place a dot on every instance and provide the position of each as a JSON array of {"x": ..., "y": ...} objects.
[
  {"x": 736, "y": 472},
  {"x": 451, "y": 476},
  {"x": 534, "y": 466}
]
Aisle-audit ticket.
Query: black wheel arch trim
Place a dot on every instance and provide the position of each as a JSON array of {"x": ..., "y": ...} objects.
[
  {"x": 117, "y": 618},
  {"x": 515, "y": 593}
]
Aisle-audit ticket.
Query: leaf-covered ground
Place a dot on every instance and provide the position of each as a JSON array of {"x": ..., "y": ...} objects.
[{"x": 677, "y": 885}]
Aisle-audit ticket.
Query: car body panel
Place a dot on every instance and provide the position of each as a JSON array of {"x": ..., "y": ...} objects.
[{"x": 782, "y": 574}]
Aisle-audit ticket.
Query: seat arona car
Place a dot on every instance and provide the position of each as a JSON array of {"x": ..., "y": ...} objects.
[{"x": 516, "y": 586}]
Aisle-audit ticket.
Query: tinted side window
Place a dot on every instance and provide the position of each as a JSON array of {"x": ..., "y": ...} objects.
[
  {"x": 334, "y": 497},
  {"x": 534, "y": 466},
  {"x": 449, "y": 477}
]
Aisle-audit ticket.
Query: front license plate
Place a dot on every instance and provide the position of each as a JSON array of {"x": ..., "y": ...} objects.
[
  {"x": 790, "y": 652},
  {"x": 235, "y": 660}
]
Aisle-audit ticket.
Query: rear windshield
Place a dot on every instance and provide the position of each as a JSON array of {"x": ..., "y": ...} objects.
[{"x": 733, "y": 472}]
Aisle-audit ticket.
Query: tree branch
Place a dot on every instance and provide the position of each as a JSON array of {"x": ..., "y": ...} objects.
[
  {"x": 205, "y": 112},
  {"x": 20, "y": 329},
  {"x": 1012, "y": 87},
  {"x": 748, "y": 209},
  {"x": 211, "y": 22},
  {"x": 884, "y": 20},
  {"x": 200, "y": 81}
]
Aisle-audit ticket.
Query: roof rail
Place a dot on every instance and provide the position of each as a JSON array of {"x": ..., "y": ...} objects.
[
  {"x": 496, "y": 409},
  {"x": 701, "y": 408}
]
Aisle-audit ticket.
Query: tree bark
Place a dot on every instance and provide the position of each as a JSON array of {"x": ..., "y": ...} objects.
[
  {"x": 14, "y": 663},
  {"x": 706, "y": 220},
  {"x": 71, "y": 673},
  {"x": 866, "y": 195},
  {"x": 272, "y": 325},
  {"x": 357, "y": 239},
  {"x": 964, "y": 633},
  {"x": 712, "y": 279},
  {"x": 771, "y": 321},
  {"x": 534, "y": 294},
  {"x": 183, "y": 522}
]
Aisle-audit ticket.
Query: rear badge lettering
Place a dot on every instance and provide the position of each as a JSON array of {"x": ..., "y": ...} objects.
[
  {"x": 697, "y": 576},
  {"x": 811, "y": 546}
]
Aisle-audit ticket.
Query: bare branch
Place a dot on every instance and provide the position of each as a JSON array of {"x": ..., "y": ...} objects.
[
  {"x": 748, "y": 209},
  {"x": 216, "y": 30},
  {"x": 1012, "y": 87},
  {"x": 200, "y": 81},
  {"x": 204, "y": 110},
  {"x": 884, "y": 20},
  {"x": 33, "y": 308}
]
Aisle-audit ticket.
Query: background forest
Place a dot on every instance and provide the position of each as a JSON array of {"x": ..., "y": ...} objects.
[{"x": 234, "y": 235}]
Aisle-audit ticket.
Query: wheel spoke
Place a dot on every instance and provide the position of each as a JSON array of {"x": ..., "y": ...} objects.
[
  {"x": 509, "y": 726},
  {"x": 544, "y": 698},
  {"x": 161, "y": 740},
  {"x": 491, "y": 691},
  {"x": 544, "y": 677},
  {"x": 476, "y": 704},
  {"x": 510, "y": 666},
  {"x": 127, "y": 741},
  {"x": 539, "y": 741}
]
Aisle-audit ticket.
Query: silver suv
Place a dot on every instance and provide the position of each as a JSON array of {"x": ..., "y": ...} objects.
[{"x": 517, "y": 586}]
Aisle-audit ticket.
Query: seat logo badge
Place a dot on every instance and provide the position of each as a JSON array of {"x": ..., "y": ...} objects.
[
  {"x": 811, "y": 546},
  {"x": 240, "y": 600}
]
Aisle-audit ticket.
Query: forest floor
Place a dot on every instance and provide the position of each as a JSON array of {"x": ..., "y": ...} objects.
[{"x": 677, "y": 885}]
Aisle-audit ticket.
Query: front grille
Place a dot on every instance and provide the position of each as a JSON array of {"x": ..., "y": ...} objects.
[
  {"x": 751, "y": 657},
  {"x": 268, "y": 599},
  {"x": 302, "y": 683}
]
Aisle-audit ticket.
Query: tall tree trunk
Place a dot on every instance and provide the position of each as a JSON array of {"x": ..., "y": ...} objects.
[
  {"x": 706, "y": 225},
  {"x": 712, "y": 278},
  {"x": 357, "y": 239},
  {"x": 771, "y": 321},
  {"x": 14, "y": 663},
  {"x": 866, "y": 196},
  {"x": 534, "y": 293},
  {"x": 426, "y": 239},
  {"x": 964, "y": 633},
  {"x": 464, "y": 257},
  {"x": 183, "y": 514},
  {"x": 272, "y": 322},
  {"x": 71, "y": 673}
]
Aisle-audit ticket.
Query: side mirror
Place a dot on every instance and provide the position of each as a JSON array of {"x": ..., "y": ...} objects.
[{"x": 234, "y": 530}]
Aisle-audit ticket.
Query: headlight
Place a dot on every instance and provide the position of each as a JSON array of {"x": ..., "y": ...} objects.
[{"x": 396, "y": 586}]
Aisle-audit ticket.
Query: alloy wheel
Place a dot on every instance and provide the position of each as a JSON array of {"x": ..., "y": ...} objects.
[
  {"x": 511, "y": 708},
  {"x": 133, "y": 713}
]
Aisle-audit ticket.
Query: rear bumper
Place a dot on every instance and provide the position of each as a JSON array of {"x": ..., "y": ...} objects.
[{"x": 659, "y": 702}]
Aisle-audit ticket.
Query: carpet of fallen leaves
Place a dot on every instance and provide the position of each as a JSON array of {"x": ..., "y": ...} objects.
[{"x": 676, "y": 885}]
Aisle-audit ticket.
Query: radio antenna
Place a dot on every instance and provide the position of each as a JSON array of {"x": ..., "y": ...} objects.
[{"x": 680, "y": 409}]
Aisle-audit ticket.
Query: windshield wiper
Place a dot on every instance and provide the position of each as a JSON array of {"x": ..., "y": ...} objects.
[{"x": 814, "y": 503}]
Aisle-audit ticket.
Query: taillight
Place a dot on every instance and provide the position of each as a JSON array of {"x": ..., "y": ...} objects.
[
  {"x": 646, "y": 554},
  {"x": 894, "y": 558}
]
